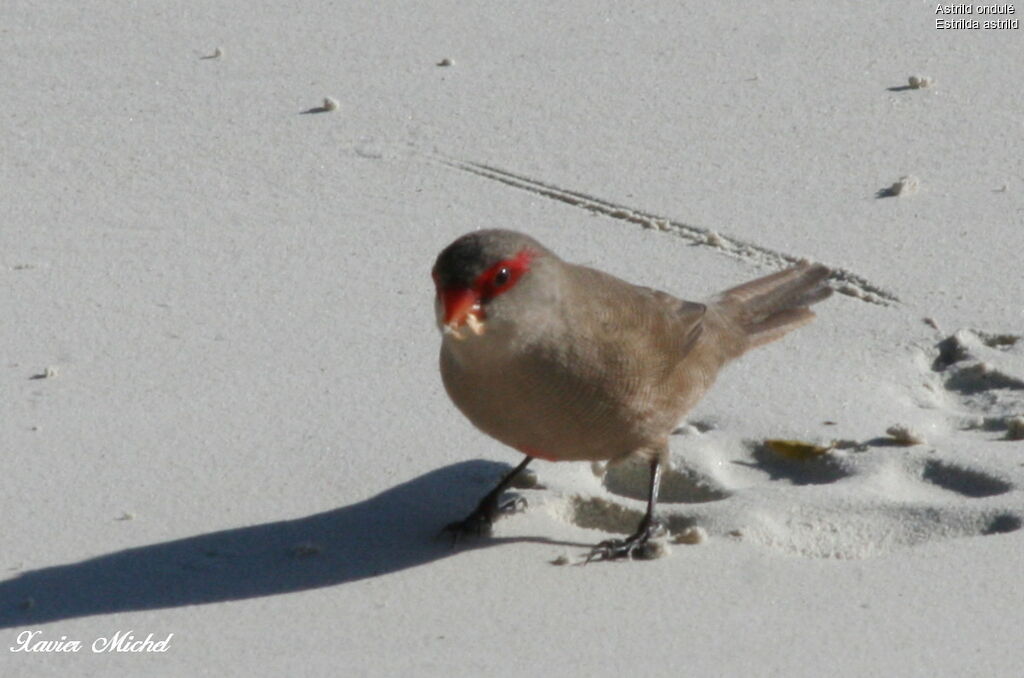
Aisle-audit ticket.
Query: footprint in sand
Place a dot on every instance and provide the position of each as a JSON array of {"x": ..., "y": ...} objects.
[
  {"x": 980, "y": 379},
  {"x": 843, "y": 505}
]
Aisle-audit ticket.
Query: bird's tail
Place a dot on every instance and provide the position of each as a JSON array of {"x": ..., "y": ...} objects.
[{"x": 769, "y": 307}]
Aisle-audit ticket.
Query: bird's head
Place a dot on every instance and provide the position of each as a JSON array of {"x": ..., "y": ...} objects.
[{"x": 487, "y": 279}]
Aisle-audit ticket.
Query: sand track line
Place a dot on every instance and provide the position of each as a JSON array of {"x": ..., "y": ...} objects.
[{"x": 847, "y": 282}]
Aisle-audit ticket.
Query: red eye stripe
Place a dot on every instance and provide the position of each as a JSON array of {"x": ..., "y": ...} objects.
[{"x": 502, "y": 276}]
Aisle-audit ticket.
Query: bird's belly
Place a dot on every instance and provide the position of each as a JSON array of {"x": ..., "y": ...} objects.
[{"x": 545, "y": 415}]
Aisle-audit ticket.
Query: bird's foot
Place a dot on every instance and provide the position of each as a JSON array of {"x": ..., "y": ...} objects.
[
  {"x": 481, "y": 520},
  {"x": 638, "y": 546}
]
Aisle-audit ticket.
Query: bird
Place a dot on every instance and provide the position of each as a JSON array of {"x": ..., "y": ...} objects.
[{"x": 563, "y": 362}]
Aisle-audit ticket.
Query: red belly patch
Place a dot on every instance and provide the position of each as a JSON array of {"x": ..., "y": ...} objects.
[{"x": 537, "y": 454}]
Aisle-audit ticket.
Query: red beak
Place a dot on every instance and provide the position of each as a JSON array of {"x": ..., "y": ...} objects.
[{"x": 458, "y": 303}]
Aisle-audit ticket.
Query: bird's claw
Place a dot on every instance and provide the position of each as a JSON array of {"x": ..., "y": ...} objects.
[
  {"x": 480, "y": 522},
  {"x": 635, "y": 547},
  {"x": 476, "y": 524},
  {"x": 514, "y": 505}
]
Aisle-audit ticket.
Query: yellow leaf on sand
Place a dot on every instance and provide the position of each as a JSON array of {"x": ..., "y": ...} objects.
[{"x": 796, "y": 450}]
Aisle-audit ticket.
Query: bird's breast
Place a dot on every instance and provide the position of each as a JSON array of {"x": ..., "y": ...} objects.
[{"x": 544, "y": 404}]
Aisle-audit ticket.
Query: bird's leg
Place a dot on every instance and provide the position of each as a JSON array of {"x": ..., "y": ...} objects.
[
  {"x": 483, "y": 516},
  {"x": 636, "y": 545}
]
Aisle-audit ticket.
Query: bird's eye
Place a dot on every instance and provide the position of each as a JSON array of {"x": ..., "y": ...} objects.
[{"x": 501, "y": 277}]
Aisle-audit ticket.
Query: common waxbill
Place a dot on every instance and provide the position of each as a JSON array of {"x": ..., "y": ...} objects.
[{"x": 567, "y": 363}]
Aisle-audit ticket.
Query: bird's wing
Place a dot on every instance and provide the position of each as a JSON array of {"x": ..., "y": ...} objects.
[
  {"x": 683, "y": 319},
  {"x": 639, "y": 319},
  {"x": 641, "y": 352}
]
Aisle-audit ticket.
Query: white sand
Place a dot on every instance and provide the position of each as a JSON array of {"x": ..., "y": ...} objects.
[{"x": 222, "y": 413}]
